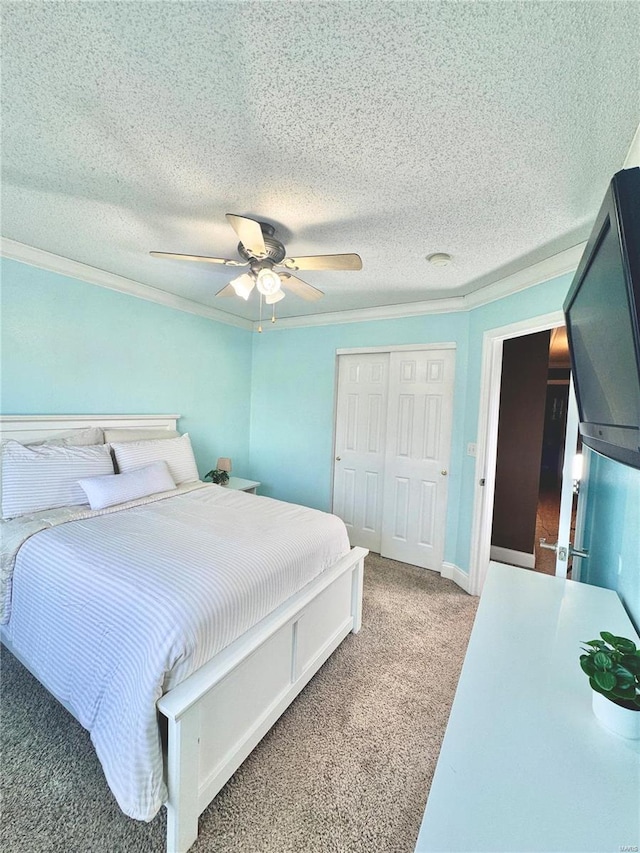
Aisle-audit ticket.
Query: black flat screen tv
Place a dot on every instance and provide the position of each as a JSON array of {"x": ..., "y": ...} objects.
[{"x": 602, "y": 312}]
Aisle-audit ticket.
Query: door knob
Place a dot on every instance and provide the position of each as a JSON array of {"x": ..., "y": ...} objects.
[
  {"x": 338, "y": 458},
  {"x": 444, "y": 472},
  {"x": 578, "y": 552},
  {"x": 562, "y": 552}
]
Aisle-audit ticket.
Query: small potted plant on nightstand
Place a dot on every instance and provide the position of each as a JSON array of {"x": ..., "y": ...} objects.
[
  {"x": 220, "y": 474},
  {"x": 613, "y": 666}
]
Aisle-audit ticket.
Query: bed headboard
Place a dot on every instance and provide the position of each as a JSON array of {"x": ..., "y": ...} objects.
[{"x": 38, "y": 427}]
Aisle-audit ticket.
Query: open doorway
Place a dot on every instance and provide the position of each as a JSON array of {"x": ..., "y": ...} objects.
[
  {"x": 534, "y": 400},
  {"x": 521, "y": 420},
  {"x": 489, "y": 414}
]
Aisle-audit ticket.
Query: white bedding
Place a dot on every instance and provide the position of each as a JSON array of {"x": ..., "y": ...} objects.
[
  {"x": 113, "y": 609},
  {"x": 15, "y": 532}
]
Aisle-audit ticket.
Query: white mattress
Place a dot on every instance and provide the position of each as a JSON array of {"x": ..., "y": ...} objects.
[{"x": 111, "y": 611}]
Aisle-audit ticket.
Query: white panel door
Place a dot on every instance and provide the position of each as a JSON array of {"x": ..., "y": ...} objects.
[
  {"x": 417, "y": 456},
  {"x": 567, "y": 497},
  {"x": 361, "y": 418}
]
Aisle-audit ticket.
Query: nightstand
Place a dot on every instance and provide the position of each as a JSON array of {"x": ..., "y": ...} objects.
[{"x": 241, "y": 485}]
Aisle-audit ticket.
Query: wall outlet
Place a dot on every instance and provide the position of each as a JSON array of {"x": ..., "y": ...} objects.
[{"x": 471, "y": 449}]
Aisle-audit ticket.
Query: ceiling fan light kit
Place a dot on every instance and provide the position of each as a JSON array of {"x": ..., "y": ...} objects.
[
  {"x": 268, "y": 282},
  {"x": 243, "y": 285},
  {"x": 272, "y": 298},
  {"x": 262, "y": 251}
]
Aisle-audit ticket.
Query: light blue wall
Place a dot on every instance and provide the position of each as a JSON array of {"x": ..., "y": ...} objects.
[
  {"x": 293, "y": 398},
  {"x": 72, "y": 348},
  {"x": 612, "y": 531},
  {"x": 268, "y": 400}
]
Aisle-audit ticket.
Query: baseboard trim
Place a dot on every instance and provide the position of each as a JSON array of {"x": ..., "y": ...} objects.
[
  {"x": 513, "y": 558},
  {"x": 451, "y": 572}
]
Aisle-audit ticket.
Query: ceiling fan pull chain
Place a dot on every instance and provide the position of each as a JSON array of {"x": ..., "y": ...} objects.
[
  {"x": 260, "y": 321},
  {"x": 273, "y": 313}
]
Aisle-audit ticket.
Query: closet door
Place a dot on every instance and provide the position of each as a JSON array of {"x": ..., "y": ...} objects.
[
  {"x": 361, "y": 418},
  {"x": 417, "y": 456}
]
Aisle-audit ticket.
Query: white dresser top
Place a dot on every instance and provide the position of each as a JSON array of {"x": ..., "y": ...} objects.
[{"x": 525, "y": 765}]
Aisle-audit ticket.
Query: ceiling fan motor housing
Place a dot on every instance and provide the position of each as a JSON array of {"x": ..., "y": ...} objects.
[{"x": 275, "y": 250}]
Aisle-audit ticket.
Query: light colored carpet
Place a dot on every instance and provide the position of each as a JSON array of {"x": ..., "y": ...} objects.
[{"x": 346, "y": 769}]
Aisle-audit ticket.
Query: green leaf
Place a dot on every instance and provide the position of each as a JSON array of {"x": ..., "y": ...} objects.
[
  {"x": 605, "y": 680},
  {"x": 596, "y": 644},
  {"x": 624, "y": 677},
  {"x": 602, "y": 661},
  {"x": 624, "y": 692},
  {"x": 631, "y": 662},
  {"x": 587, "y": 664},
  {"x": 624, "y": 645},
  {"x": 608, "y": 638}
]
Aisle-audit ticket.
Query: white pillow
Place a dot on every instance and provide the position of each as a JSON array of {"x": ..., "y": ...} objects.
[
  {"x": 45, "y": 477},
  {"x": 113, "y": 489},
  {"x": 72, "y": 437},
  {"x": 176, "y": 452},
  {"x": 111, "y": 435}
]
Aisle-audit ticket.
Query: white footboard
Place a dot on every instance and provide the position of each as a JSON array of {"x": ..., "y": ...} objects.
[{"x": 220, "y": 713}]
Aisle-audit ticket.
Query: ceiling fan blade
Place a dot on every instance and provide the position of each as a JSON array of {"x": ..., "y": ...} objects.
[
  {"x": 249, "y": 232},
  {"x": 324, "y": 262},
  {"x": 300, "y": 287},
  {"x": 226, "y": 291},
  {"x": 175, "y": 257}
]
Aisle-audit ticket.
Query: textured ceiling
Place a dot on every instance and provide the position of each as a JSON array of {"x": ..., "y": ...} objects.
[{"x": 487, "y": 130}]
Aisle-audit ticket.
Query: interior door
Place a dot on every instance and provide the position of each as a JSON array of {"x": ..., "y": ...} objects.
[
  {"x": 417, "y": 456},
  {"x": 361, "y": 418}
]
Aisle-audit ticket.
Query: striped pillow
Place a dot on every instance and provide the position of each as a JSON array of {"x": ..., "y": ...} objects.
[
  {"x": 46, "y": 476},
  {"x": 125, "y": 434},
  {"x": 111, "y": 489},
  {"x": 176, "y": 452}
]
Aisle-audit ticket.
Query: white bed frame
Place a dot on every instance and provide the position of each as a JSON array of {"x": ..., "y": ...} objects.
[{"x": 219, "y": 714}]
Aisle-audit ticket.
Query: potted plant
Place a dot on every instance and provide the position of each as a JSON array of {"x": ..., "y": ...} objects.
[
  {"x": 220, "y": 474},
  {"x": 613, "y": 666},
  {"x": 217, "y": 476}
]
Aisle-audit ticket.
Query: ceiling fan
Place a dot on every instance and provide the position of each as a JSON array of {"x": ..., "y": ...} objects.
[{"x": 265, "y": 255}]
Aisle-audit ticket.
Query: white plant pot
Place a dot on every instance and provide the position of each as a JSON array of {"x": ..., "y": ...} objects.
[{"x": 615, "y": 718}]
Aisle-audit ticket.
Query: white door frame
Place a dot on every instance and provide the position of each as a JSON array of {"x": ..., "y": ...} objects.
[{"x": 487, "y": 438}]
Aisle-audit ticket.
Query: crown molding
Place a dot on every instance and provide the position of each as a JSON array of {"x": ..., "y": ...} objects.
[
  {"x": 559, "y": 264},
  {"x": 552, "y": 267},
  {"x": 358, "y": 315},
  {"x": 75, "y": 269}
]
